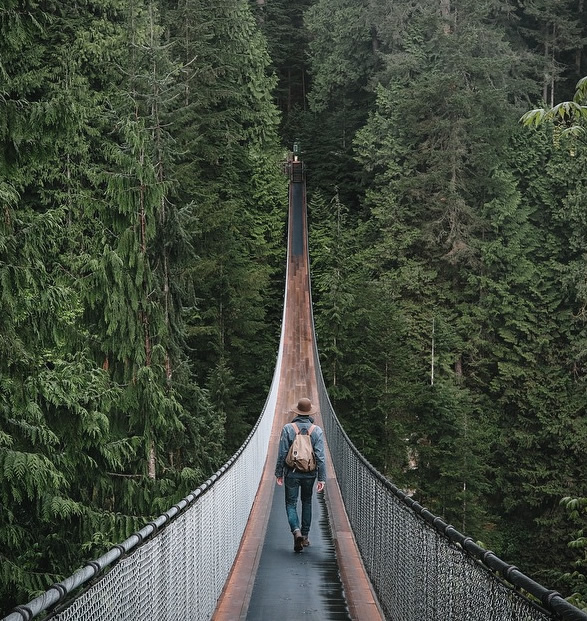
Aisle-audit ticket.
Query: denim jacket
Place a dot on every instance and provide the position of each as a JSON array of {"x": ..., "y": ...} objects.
[{"x": 285, "y": 441}]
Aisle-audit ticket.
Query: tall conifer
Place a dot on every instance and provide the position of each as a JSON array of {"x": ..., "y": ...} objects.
[
  {"x": 54, "y": 426},
  {"x": 229, "y": 181}
]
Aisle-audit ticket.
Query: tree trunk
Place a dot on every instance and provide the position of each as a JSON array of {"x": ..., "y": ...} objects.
[
  {"x": 445, "y": 15},
  {"x": 152, "y": 474}
]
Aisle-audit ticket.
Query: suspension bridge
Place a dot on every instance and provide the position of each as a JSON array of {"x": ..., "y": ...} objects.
[{"x": 225, "y": 552}]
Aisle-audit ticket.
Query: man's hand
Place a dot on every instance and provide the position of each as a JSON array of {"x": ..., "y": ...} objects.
[
  {"x": 279, "y": 480},
  {"x": 320, "y": 486}
]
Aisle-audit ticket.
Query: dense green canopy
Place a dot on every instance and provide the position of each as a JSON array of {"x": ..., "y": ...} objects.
[{"x": 142, "y": 254}]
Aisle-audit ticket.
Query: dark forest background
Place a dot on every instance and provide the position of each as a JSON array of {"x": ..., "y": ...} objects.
[{"x": 142, "y": 255}]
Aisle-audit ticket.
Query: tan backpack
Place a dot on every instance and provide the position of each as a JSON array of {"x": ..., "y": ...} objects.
[{"x": 301, "y": 456}]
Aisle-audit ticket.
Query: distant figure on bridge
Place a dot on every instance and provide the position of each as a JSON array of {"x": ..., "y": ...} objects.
[{"x": 299, "y": 482}]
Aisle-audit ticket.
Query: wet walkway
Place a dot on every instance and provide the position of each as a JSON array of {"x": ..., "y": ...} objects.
[{"x": 296, "y": 586}]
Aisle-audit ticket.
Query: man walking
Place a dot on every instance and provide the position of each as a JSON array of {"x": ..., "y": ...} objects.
[{"x": 299, "y": 482}]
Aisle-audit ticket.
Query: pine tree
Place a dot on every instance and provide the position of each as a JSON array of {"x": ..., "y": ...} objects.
[
  {"x": 576, "y": 509},
  {"x": 556, "y": 197},
  {"x": 555, "y": 31},
  {"x": 343, "y": 61},
  {"x": 282, "y": 24},
  {"x": 229, "y": 180},
  {"x": 132, "y": 293},
  {"x": 54, "y": 426},
  {"x": 433, "y": 148}
]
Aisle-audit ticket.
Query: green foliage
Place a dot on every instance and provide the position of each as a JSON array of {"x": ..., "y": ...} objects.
[
  {"x": 473, "y": 252},
  {"x": 341, "y": 51},
  {"x": 569, "y": 117},
  {"x": 142, "y": 247},
  {"x": 343, "y": 62},
  {"x": 554, "y": 31},
  {"x": 576, "y": 509},
  {"x": 282, "y": 23},
  {"x": 228, "y": 176},
  {"x": 123, "y": 141}
]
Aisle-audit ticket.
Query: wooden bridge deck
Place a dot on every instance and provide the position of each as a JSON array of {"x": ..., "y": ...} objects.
[{"x": 268, "y": 580}]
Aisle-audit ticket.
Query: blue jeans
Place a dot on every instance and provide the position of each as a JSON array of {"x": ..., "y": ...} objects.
[{"x": 303, "y": 486}]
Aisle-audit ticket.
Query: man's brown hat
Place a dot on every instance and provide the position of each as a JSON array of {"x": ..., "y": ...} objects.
[{"x": 304, "y": 408}]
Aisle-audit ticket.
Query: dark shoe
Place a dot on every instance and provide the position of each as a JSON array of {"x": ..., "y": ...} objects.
[
  {"x": 298, "y": 541},
  {"x": 305, "y": 541}
]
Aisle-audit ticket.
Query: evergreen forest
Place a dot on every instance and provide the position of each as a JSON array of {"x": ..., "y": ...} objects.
[{"x": 142, "y": 259}]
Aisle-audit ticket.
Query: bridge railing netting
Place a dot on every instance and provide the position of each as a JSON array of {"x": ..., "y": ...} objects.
[
  {"x": 177, "y": 565},
  {"x": 421, "y": 568}
]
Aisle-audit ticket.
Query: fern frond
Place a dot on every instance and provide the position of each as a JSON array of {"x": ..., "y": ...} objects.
[{"x": 30, "y": 475}]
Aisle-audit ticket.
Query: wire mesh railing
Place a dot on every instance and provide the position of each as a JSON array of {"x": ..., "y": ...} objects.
[
  {"x": 420, "y": 567},
  {"x": 177, "y": 565}
]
